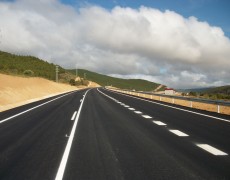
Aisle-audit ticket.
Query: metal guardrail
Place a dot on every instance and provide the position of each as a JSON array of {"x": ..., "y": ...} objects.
[
  {"x": 218, "y": 103},
  {"x": 201, "y": 100}
]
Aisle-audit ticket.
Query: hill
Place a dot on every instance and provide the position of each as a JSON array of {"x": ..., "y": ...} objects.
[
  {"x": 198, "y": 90},
  {"x": 35, "y": 67},
  {"x": 27, "y": 65},
  {"x": 210, "y": 90},
  {"x": 103, "y": 80},
  {"x": 218, "y": 90}
]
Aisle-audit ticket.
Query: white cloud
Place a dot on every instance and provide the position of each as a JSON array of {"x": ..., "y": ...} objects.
[{"x": 141, "y": 43}]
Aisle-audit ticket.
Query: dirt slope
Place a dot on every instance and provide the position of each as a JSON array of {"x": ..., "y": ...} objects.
[{"x": 16, "y": 91}]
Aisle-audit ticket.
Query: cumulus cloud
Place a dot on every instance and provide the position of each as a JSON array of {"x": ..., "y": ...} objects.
[{"x": 161, "y": 46}]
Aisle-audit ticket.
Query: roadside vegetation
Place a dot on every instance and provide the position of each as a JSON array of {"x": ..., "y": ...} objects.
[
  {"x": 27, "y": 66},
  {"x": 217, "y": 93},
  {"x": 103, "y": 80}
]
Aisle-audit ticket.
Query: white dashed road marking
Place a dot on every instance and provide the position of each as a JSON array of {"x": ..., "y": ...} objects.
[
  {"x": 159, "y": 123},
  {"x": 212, "y": 150},
  {"x": 178, "y": 133},
  {"x": 74, "y": 114},
  {"x": 138, "y": 112},
  {"x": 132, "y": 109},
  {"x": 147, "y": 117}
]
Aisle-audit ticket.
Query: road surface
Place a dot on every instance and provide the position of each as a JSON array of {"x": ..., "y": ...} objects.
[{"x": 99, "y": 134}]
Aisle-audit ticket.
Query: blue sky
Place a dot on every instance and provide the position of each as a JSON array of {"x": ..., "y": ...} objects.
[{"x": 215, "y": 12}]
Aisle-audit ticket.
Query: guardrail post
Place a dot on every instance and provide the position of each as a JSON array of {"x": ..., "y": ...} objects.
[
  {"x": 173, "y": 100},
  {"x": 160, "y": 98},
  {"x": 151, "y": 96},
  {"x": 190, "y": 103},
  {"x": 218, "y": 108}
]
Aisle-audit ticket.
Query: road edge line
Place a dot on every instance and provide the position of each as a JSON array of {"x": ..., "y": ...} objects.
[{"x": 23, "y": 112}]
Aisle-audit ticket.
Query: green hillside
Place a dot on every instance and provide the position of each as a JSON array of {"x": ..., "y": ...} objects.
[
  {"x": 219, "y": 90},
  {"x": 214, "y": 93},
  {"x": 35, "y": 67},
  {"x": 103, "y": 80},
  {"x": 27, "y": 65}
]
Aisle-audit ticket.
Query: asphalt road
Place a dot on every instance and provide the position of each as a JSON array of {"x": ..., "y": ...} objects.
[{"x": 112, "y": 136}]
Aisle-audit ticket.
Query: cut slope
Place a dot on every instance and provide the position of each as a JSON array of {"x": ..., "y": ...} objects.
[{"x": 15, "y": 91}]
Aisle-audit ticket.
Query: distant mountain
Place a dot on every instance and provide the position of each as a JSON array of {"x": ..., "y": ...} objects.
[
  {"x": 199, "y": 90},
  {"x": 104, "y": 80},
  {"x": 219, "y": 90},
  {"x": 210, "y": 90},
  {"x": 32, "y": 66}
]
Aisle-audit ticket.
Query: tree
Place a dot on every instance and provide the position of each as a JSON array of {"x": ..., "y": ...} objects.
[{"x": 192, "y": 94}]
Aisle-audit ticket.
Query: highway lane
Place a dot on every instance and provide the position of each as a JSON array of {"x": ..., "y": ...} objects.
[
  {"x": 200, "y": 128},
  {"x": 32, "y": 143},
  {"x": 115, "y": 142},
  {"x": 116, "y": 137}
]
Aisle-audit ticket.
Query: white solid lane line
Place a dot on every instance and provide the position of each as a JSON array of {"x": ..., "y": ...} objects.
[
  {"x": 74, "y": 114},
  {"x": 147, "y": 117},
  {"x": 178, "y": 133},
  {"x": 11, "y": 117},
  {"x": 212, "y": 150},
  {"x": 65, "y": 156},
  {"x": 138, "y": 112},
  {"x": 159, "y": 123}
]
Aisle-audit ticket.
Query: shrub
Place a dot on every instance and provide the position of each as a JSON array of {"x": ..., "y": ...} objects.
[
  {"x": 192, "y": 94},
  {"x": 28, "y": 73},
  {"x": 72, "y": 82}
]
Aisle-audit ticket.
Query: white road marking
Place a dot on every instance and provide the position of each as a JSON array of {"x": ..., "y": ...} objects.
[
  {"x": 138, "y": 112},
  {"x": 159, "y": 123},
  {"x": 185, "y": 110},
  {"x": 178, "y": 133},
  {"x": 132, "y": 109},
  {"x": 65, "y": 156},
  {"x": 126, "y": 106},
  {"x": 212, "y": 150},
  {"x": 147, "y": 116},
  {"x": 23, "y": 112},
  {"x": 74, "y": 114}
]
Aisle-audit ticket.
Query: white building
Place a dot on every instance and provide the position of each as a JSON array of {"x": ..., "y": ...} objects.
[{"x": 169, "y": 91}]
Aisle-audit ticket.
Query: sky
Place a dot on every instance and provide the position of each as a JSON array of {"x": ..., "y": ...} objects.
[{"x": 179, "y": 43}]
